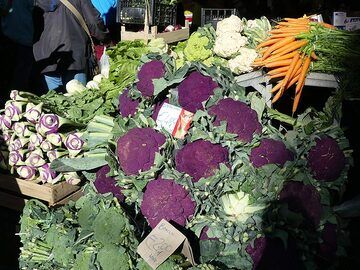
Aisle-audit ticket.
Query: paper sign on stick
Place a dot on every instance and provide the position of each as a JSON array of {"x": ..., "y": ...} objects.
[{"x": 161, "y": 243}]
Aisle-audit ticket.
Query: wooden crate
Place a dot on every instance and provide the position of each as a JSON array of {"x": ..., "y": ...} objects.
[
  {"x": 152, "y": 33},
  {"x": 21, "y": 189}
]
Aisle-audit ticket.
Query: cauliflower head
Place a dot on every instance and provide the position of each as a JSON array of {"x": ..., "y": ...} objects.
[
  {"x": 240, "y": 118},
  {"x": 326, "y": 160},
  {"x": 200, "y": 159},
  {"x": 270, "y": 152},
  {"x": 197, "y": 48},
  {"x": 165, "y": 199},
  {"x": 127, "y": 106},
  {"x": 232, "y": 24},
  {"x": 137, "y": 148},
  {"x": 303, "y": 199},
  {"x": 105, "y": 184},
  {"x": 194, "y": 90},
  {"x": 242, "y": 62},
  {"x": 228, "y": 45},
  {"x": 154, "y": 69}
]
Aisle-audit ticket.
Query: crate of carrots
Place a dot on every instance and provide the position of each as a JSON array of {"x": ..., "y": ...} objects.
[{"x": 298, "y": 45}]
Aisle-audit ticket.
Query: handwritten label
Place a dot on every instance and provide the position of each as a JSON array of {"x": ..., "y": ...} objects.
[
  {"x": 175, "y": 120},
  {"x": 161, "y": 243}
]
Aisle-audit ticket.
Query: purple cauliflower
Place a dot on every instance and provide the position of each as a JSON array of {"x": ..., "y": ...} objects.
[
  {"x": 326, "y": 160},
  {"x": 303, "y": 199},
  {"x": 240, "y": 118},
  {"x": 270, "y": 152},
  {"x": 165, "y": 199},
  {"x": 105, "y": 184},
  {"x": 194, "y": 90},
  {"x": 137, "y": 148},
  {"x": 154, "y": 69},
  {"x": 270, "y": 253},
  {"x": 200, "y": 159},
  {"x": 127, "y": 106},
  {"x": 157, "y": 108}
]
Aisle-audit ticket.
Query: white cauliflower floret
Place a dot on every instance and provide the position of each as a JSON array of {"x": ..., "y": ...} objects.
[
  {"x": 242, "y": 62},
  {"x": 232, "y": 24},
  {"x": 229, "y": 44}
]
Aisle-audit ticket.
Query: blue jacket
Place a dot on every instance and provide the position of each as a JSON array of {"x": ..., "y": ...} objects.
[{"x": 105, "y": 8}]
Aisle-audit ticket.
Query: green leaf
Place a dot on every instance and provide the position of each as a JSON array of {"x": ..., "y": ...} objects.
[{"x": 79, "y": 164}]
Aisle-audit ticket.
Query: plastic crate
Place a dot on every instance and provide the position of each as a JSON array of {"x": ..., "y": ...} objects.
[
  {"x": 133, "y": 12},
  {"x": 214, "y": 15}
]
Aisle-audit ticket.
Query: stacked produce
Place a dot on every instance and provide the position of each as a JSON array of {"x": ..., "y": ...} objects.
[
  {"x": 34, "y": 137},
  {"x": 251, "y": 194},
  {"x": 297, "y": 46},
  {"x": 232, "y": 44}
]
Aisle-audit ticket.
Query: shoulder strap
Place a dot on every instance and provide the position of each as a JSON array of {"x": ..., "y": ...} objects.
[{"x": 79, "y": 18}]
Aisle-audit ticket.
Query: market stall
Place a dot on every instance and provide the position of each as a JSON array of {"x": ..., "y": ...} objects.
[{"x": 172, "y": 162}]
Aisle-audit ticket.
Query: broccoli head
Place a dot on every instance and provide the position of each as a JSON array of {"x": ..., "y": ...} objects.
[
  {"x": 154, "y": 69},
  {"x": 137, "y": 148},
  {"x": 240, "y": 118},
  {"x": 270, "y": 152},
  {"x": 112, "y": 257},
  {"x": 194, "y": 90},
  {"x": 303, "y": 199},
  {"x": 165, "y": 199},
  {"x": 127, "y": 106},
  {"x": 326, "y": 160},
  {"x": 200, "y": 159},
  {"x": 196, "y": 48},
  {"x": 105, "y": 184}
]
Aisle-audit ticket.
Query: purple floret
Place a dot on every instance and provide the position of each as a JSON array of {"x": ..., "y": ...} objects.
[
  {"x": 194, "y": 90},
  {"x": 200, "y": 159},
  {"x": 154, "y": 69},
  {"x": 240, "y": 118},
  {"x": 137, "y": 148},
  {"x": 157, "y": 108},
  {"x": 326, "y": 160},
  {"x": 127, "y": 106},
  {"x": 165, "y": 199},
  {"x": 303, "y": 199},
  {"x": 270, "y": 152},
  {"x": 105, "y": 184}
]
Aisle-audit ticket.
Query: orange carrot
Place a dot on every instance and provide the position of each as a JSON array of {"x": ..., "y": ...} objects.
[
  {"x": 302, "y": 23},
  {"x": 297, "y": 68},
  {"x": 276, "y": 87},
  {"x": 294, "y": 61},
  {"x": 280, "y": 63},
  {"x": 282, "y": 57},
  {"x": 327, "y": 25},
  {"x": 289, "y": 29},
  {"x": 297, "y": 98},
  {"x": 267, "y": 43},
  {"x": 278, "y": 45},
  {"x": 304, "y": 70},
  {"x": 277, "y": 96},
  {"x": 277, "y": 70},
  {"x": 282, "y": 36},
  {"x": 279, "y": 75},
  {"x": 291, "y": 47},
  {"x": 314, "y": 56}
]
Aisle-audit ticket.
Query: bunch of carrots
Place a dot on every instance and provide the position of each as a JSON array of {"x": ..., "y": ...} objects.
[{"x": 284, "y": 57}]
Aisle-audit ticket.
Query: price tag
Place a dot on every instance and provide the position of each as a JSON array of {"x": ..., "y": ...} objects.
[
  {"x": 174, "y": 120},
  {"x": 162, "y": 242}
]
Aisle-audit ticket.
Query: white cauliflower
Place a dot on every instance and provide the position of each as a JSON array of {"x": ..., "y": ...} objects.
[
  {"x": 228, "y": 44},
  {"x": 232, "y": 24},
  {"x": 74, "y": 87},
  {"x": 242, "y": 62}
]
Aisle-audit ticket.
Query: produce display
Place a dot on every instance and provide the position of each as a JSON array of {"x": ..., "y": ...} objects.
[{"x": 249, "y": 186}]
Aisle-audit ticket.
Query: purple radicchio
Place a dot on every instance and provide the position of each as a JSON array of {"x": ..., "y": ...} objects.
[
  {"x": 200, "y": 159},
  {"x": 46, "y": 173},
  {"x": 74, "y": 143},
  {"x": 240, "y": 118},
  {"x": 35, "y": 159},
  {"x": 127, "y": 105},
  {"x": 26, "y": 172},
  {"x": 154, "y": 69},
  {"x": 270, "y": 152},
  {"x": 194, "y": 90},
  {"x": 165, "y": 199},
  {"x": 326, "y": 160},
  {"x": 137, "y": 148},
  {"x": 105, "y": 184},
  {"x": 33, "y": 112}
]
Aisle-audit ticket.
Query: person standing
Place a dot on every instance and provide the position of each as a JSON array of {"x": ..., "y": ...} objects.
[{"x": 63, "y": 49}]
